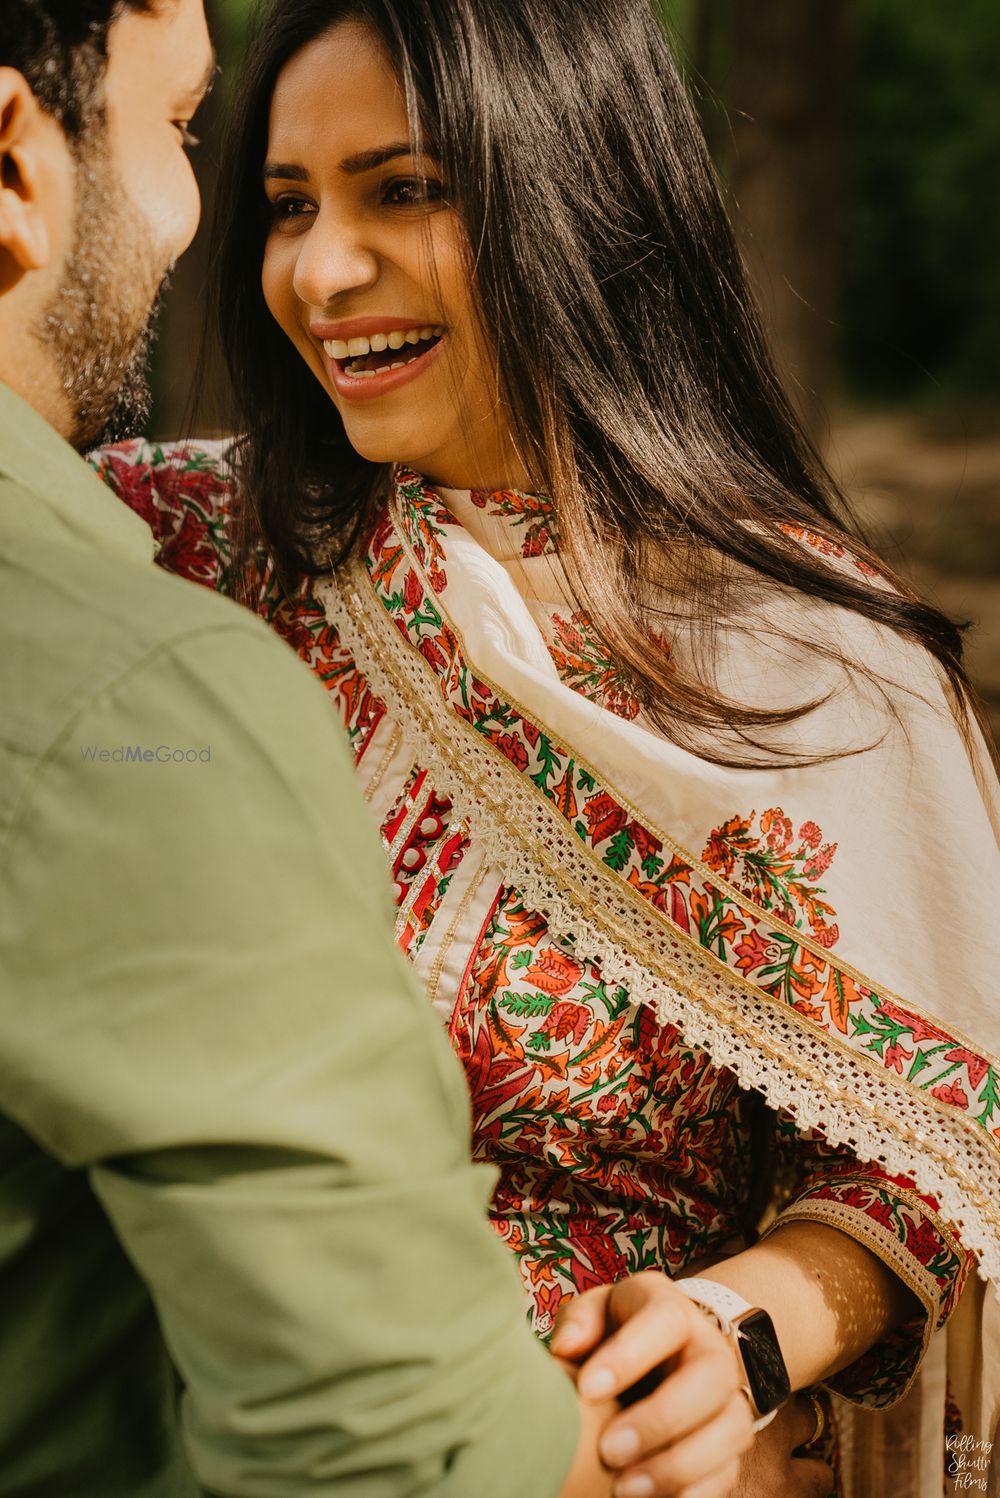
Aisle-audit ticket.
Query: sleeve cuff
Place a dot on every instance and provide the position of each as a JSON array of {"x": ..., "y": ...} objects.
[{"x": 903, "y": 1230}]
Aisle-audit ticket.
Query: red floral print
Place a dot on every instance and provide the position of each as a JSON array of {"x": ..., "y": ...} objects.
[{"x": 619, "y": 1147}]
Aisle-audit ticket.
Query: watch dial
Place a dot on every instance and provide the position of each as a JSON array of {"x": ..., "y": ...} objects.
[{"x": 764, "y": 1364}]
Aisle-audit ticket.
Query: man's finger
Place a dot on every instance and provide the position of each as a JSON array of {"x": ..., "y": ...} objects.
[
  {"x": 686, "y": 1399},
  {"x": 709, "y": 1453}
]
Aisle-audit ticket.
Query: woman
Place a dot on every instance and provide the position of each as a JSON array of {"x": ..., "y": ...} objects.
[{"x": 681, "y": 789}]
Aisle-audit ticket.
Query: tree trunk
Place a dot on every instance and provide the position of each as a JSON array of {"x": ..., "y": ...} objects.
[{"x": 784, "y": 93}]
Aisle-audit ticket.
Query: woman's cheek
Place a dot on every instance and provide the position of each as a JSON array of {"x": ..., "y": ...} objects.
[{"x": 276, "y": 283}]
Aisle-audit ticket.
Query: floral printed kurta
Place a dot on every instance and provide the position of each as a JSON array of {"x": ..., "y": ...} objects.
[{"x": 619, "y": 1147}]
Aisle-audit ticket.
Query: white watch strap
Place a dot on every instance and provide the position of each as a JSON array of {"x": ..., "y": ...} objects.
[{"x": 724, "y": 1305}]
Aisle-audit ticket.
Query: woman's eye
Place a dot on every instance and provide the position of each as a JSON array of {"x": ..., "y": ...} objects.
[
  {"x": 412, "y": 192},
  {"x": 284, "y": 210}
]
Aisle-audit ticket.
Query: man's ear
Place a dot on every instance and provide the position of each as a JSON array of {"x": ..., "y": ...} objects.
[{"x": 25, "y": 141}]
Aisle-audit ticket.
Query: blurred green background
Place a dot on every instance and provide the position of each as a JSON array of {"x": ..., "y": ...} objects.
[{"x": 858, "y": 143}]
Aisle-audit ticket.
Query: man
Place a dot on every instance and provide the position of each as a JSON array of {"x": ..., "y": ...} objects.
[{"x": 232, "y": 1142}]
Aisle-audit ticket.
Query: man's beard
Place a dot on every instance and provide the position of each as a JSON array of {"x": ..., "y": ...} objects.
[{"x": 100, "y": 325}]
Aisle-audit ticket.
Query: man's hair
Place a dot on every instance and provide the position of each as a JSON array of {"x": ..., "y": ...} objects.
[{"x": 61, "y": 47}]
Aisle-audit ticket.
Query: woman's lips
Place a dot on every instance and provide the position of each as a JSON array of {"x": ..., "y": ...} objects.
[{"x": 383, "y": 382}]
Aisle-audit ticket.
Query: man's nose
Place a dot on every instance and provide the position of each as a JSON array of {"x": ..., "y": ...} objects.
[{"x": 334, "y": 257}]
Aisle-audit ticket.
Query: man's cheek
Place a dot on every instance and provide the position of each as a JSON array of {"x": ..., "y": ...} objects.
[{"x": 161, "y": 185}]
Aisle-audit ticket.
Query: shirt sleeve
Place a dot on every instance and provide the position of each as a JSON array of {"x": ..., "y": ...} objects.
[
  {"x": 214, "y": 1022},
  {"x": 901, "y": 1226}
]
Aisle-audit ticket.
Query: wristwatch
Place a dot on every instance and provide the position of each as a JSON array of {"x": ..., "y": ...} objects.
[{"x": 751, "y": 1332}]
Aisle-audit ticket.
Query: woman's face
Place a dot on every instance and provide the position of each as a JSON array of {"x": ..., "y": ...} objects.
[{"x": 365, "y": 269}]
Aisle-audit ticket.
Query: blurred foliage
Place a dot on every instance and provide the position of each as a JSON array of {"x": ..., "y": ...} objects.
[
  {"x": 922, "y": 290},
  {"x": 230, "y": 19},
  {"x": 921, "y": 302},
  {"x": 921, "y": 297}
]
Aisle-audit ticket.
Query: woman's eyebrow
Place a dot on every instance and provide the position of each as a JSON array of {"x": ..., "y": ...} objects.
[
  {"x": 367, "y": 161},
  {"x": 282, "y": 171},
  {"x": 352, "y": 166}
]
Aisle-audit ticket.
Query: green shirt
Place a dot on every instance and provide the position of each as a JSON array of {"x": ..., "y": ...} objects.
[{"x": 233, "y": 1142}]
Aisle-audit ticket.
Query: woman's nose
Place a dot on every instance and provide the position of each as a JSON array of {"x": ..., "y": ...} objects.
[{"x": 333, "y": 258}]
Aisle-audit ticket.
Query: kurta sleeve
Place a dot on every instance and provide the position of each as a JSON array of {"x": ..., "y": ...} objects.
[
  {"x": 184, "y": 492},
  {"x": 900, "y": 1225},
  {"x": 213, "y": 1023}
]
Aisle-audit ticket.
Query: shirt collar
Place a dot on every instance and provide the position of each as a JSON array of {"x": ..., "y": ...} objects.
[{"x": 67, "y": 498}]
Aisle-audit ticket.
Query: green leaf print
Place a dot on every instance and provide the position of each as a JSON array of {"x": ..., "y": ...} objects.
[
  {"x": 620, "y": 851},
  {"x": 526, "y": 1005}
]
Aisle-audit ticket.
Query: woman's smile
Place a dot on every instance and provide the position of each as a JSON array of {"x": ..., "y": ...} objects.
[
  {"x": 360, "y": 219},
  {"x": 372, "y": 357}
]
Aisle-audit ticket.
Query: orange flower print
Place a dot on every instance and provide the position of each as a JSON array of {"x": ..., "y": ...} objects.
[
  {"x": 953, "y": 1094},
  {"x": 777, "y": 868},
  {"x": 810, "y": 1011},
  {"x": 604, "y": 817},
  {"x": 569, "y": 633},
  {"x": 753, "y": 952},
  {"x": 727, "y": 842},
  {"x": 568, "y": 1021},
  {"x": 553, "y": 972},
  {"x": 650, "y": 890},
  {"x": 583, "y": 663},
  {"x": 645, "y": 843},
  {"x": 534, "y": 512},
  {"x": 829, "y": 548}
]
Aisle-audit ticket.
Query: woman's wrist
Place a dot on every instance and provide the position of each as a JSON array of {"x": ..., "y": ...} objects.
[
  {"x": 750, "y": 1333},
  {"x": 829, "y": 1297}
]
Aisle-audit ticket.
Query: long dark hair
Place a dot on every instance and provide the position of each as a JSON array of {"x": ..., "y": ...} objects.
[{"x": 638, "y": 379}]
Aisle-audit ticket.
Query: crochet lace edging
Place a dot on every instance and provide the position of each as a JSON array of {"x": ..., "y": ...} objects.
[{"x": 766, "y": 1049}]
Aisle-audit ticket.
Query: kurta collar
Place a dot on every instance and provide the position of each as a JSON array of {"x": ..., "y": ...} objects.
[
  {"x": 67, "y": 499},
  {"x": 507, "y": 523},
  {"x": 517, "y": 530}
]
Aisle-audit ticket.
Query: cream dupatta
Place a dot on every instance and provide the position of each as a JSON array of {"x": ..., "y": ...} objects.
[{"x": 867, "y": 1007}]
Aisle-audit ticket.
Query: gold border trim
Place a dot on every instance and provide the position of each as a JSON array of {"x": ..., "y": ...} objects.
[
  {"x": 503, "y": 694},
  {"x": 978, "y": 1135}
]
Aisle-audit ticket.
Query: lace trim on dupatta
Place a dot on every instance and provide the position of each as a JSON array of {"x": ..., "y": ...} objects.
[{"x": 768, "y": 1044}]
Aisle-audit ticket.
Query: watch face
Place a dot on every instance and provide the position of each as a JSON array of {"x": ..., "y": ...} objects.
[{"x": 765, "y": 1367}]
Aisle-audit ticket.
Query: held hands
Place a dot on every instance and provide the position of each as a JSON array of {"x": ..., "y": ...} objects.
[
  {"x": 775, "y": 1464},
  {"x": 685, "y": 1438}
]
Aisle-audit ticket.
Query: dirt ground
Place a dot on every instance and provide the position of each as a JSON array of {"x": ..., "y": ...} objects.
[{"x": 928, "y": 486}]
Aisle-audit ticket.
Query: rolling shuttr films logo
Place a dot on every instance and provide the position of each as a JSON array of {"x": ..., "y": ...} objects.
[{"x": 968, "y": 1463}]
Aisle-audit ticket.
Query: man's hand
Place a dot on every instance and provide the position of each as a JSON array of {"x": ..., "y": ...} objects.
[
  {"x": 686, "y": 1437},
  {"x": 771, "y": 1465}
]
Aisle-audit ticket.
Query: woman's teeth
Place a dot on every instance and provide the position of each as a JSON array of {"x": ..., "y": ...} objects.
[{"x": 358, "y": 350}]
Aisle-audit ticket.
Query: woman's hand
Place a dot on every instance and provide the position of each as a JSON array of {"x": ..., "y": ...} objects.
[{"x": 685, "y": 1438}]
